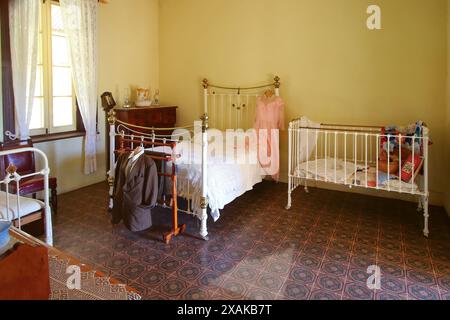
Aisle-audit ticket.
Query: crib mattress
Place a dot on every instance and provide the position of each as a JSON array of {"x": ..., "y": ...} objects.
[{"x": 343, "y": 172}]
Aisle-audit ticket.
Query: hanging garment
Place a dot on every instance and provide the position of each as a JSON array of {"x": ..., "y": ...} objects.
[
  {"x": 269, "y": 120},
  {"x": 135, "y": 191}
]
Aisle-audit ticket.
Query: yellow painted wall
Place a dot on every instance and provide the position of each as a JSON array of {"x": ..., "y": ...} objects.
[
  {"x": 128, "y": 57},
  {"x": 332, "y": 67}
]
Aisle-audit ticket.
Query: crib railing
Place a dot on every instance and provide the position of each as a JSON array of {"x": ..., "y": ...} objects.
[
  {"x": 13, "y": 177},
  {"x": 359, "y": 156},
  {"x": 357, "y": 146}
]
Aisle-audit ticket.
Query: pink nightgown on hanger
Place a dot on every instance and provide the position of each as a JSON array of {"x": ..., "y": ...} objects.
[{"x": 269, "y": 120}]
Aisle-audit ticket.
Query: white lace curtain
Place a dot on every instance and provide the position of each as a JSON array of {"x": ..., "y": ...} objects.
[
  {"x": 24, "y": 29},
  {"x": 80, "y": 24}
]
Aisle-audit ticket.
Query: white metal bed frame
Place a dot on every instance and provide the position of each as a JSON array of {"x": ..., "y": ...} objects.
[
  {"x": 233, "y": 107},
  {"x": 224, "y": 108},
  {"x": 13, "y": 177},
  {"x": 358, "y": 145}
]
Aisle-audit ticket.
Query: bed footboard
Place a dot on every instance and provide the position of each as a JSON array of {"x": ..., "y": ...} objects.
[{"x": 131, "y": 136}]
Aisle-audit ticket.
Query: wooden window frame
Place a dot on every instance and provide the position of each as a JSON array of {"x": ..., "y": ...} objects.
[
  {"x": 48, "y": 65},
  {"x": 9, "y": 121}
]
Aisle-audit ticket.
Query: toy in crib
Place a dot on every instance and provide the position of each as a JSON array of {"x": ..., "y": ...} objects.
[
  {"x": 390, "y": 144},
  {"x": 390, "y": 164},
  {"x": 411, "y": 134}
]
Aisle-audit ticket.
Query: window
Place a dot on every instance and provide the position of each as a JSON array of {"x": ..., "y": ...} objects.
[{"x": 54, "y": 108}]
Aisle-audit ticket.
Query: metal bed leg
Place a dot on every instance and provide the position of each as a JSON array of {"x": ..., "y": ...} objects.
[
  {"x": 289, "y": 204},
  {"x": 204, "y": 227},
  {"x": 290, "y": 175},
  {"x": 111, "y": 191},
  {"x": 306, "y": 186},
  {"x": 112, "y": 147},
  {"x": 426, "y": 231},
  {"x": 204, "y": 197},
  {"x": 420, "y": 205}
]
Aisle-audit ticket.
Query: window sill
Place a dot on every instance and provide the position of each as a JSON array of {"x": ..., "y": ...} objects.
[{"x": 57, "y": 136}]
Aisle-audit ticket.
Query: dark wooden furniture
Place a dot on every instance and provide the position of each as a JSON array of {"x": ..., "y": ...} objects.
[
  {"x": 25, "y": 273},
  {"x": 58, "y": 257},
  {"x": 25, "y": 164},
  {"x": 154, "y": 116}
]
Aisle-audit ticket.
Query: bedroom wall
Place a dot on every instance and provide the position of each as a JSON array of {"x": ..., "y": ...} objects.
[
  {"x": 332, "y": 67},
  {"x": 128, "y": 56}
]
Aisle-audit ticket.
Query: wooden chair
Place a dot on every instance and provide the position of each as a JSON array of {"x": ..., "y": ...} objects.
[{"x": 25, "y": 164}]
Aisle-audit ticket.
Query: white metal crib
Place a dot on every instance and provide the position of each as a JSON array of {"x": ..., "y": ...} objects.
[{"x": 350, "y": 155}]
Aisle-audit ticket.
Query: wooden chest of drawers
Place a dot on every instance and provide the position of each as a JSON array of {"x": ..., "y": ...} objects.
[
  {"x": 151, "y": 117},
  {"x": 157, "y": 116}
]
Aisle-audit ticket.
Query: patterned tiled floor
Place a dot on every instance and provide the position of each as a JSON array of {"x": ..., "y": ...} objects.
[{"x": 321, "y": 249}]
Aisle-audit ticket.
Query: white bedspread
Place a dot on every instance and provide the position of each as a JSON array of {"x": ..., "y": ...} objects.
[{"x": 226, "y": 181}]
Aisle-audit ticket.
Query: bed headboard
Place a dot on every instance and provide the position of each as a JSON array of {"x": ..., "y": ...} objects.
[{"x": 233, "y": 107}]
